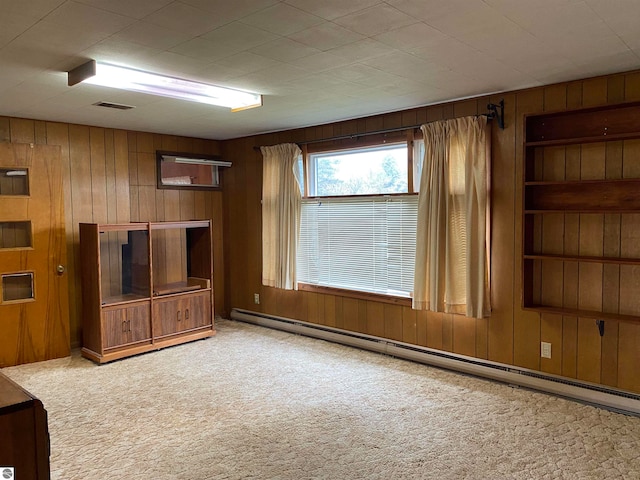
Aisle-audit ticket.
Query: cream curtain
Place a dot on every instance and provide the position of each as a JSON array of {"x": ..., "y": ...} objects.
[
  {"x": 452, "y": 238},
  {"x": 280, "y": 215}
]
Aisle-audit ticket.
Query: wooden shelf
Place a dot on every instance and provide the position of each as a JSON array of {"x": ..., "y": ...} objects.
[
  {"x": 585, "y": 125},
  {"x": 586, "y": 259},
  {"x": 609, "y": 196},
  {"x": 576, "y": 312},
  {"x": 579, "y": 140},
  {"x": 121, "y": 299},
  {"x": 171, "y": 288}
]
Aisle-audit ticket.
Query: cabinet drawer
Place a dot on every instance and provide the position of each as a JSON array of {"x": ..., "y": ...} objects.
[{"x": 124, "y": 326}]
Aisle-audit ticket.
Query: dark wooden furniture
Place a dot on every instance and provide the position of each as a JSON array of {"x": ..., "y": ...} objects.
[
  {"x": 581, "y": 200},
  {"x": 145, "y": 286},
  {"x": 24, "y": 436}
]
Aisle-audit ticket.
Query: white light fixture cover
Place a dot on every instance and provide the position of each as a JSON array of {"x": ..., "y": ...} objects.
[{"x": 114, "y": 76}]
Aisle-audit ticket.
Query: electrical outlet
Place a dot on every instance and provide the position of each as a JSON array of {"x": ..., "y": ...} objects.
[
  {"x": 256, "y": 298},
  {"x": 545, "y": 349}
]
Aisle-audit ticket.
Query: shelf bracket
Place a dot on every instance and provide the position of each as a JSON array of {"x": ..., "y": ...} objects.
[
  {"x": 494, "y": 113},
  {"x": 600, "y": 324}
]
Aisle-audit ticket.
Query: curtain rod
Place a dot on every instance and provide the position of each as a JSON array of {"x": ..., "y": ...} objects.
[{"x": 493, "y": 113}]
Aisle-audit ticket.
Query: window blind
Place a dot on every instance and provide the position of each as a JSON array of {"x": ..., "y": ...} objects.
[{"x": 359, "y": 243}]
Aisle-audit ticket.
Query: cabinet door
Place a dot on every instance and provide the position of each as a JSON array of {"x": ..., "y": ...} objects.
[
  {"x": 197, "y": 311},
  {"x": 167, "y": 317},
  {"x": 183, "y": 313},
  {"x": 124, "y": 326}
]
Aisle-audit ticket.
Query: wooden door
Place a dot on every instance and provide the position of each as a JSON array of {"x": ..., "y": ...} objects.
[{"x": 34, "y": 303}]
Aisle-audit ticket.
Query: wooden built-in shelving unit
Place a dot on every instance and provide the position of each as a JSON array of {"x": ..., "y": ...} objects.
[{"x": 605, "y": 206}]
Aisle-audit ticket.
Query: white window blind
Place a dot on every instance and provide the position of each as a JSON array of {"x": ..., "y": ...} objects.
[{"x": 359, "y": 243}]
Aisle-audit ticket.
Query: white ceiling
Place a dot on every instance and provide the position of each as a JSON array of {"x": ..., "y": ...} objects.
[{"x": 315, "y": 61}]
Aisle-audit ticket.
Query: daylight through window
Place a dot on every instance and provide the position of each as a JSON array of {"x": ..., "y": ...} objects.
[{"x": 358, "y": 231}]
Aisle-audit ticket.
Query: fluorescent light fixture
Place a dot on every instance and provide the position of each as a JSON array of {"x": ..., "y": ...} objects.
[
  {"x": 114, "y": 76},
  {"x": 16, "y": 173}
]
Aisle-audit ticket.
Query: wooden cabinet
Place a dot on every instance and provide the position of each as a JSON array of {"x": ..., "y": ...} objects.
[
  {"x": 581, "y": 206},
  {"x": 145, "y": 286},
  {"x": 180, "y": 314},
  {"x": 24, "y": 439},
  {"x": 124, "y": 326}
]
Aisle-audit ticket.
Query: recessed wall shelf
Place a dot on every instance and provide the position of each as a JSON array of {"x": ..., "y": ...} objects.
[{"x": 581, "y": 209}]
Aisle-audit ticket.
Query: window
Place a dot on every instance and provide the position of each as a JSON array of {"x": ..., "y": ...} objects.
[
  {"x": 358, "y": 231},
  {"x": 365, "y": 171},
  {"x": 359, "y": 243}
]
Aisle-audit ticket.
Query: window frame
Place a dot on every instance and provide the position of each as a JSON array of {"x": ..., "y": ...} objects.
[{"x": 407, "y": 137}]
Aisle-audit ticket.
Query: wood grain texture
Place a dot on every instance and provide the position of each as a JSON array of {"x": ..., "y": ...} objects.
[
  {"x": 34, "y": 325},
  {"x": 503, "y": 256}
]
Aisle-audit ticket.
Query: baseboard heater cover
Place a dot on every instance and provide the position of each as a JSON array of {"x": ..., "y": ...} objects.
[{"x": 593, "y": 394}]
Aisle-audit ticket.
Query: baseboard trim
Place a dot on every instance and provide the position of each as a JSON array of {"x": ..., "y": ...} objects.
[{"x": 585, "y": 392}]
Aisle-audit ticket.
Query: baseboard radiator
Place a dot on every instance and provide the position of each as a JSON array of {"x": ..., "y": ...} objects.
[{"x": 593, "y": 394}]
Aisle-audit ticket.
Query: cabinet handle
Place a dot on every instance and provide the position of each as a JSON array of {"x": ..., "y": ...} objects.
[
  {"x": 124, "y": 326},
  {"x": 186, "y": 314},
  {"x": 179, "y": 315},
  {"x": 129, "y": 326}
]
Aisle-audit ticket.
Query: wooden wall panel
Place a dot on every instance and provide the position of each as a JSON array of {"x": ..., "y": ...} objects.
[
  {"x": 526, "y": 325},
  {"x": 510, "y": 335},
  {"x": 503, "y": 257},
  {"x": 102, "y": 184}
]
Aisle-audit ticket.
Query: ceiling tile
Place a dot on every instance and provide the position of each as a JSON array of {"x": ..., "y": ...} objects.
[
  {"x": 38, "y": 8},
  {"x": 77, "y": 15},
  {"x": 403, "y": 65},
  {"x": 282, "y": 19},
  {"x": 412, "y": 36},
  {"x": 135, "y": 9},
  {"x": 624, "y": 18},
  {"x": 375, "y": 20},
  {"x": 428, "y": 9},
  {"x": 117, "y": 50},
  {"x": 174, "y": 64},
  {"x": 560, "y": 21},
  {"x": 361, "y": 50},
  {"x": 13, "y": 25},
  {"x": 319, "y": 62},
  {"x": 326, "y": 36},
  {"x": 332, "y": 9},
  {"x": 153, "y": 36},
  {"x": 185, "y": 18},
  {"x": 269, "y": 80},
  {"x": 69, "y": 40},
  {"x": 238, "y": 36},
  {"x": 231, "y": 10},
  {"x": 203, "y": 49},
  {"x": 247, "y": 62},
  {"x": 284, "y": 50}
]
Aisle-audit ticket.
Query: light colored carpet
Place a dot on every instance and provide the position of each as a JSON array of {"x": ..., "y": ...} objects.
[{"x": 254, "y": 403}]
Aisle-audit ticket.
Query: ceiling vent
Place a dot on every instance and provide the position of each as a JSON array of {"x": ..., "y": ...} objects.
[{"x": 117, "y": 106}]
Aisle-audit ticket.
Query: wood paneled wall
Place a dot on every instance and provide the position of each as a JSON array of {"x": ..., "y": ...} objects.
[
  {"x": 510, "y": 335},
  {"x": 109, "y": 176}
]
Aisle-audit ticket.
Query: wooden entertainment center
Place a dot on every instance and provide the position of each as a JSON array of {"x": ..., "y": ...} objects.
[{"x": 145, "y": 286}]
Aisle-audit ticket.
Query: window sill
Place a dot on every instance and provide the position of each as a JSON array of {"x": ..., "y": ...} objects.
[{"x": 341, "y": 292}]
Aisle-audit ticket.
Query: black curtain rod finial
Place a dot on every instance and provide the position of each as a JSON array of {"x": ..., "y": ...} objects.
[{"x": 498, "y": 115}]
